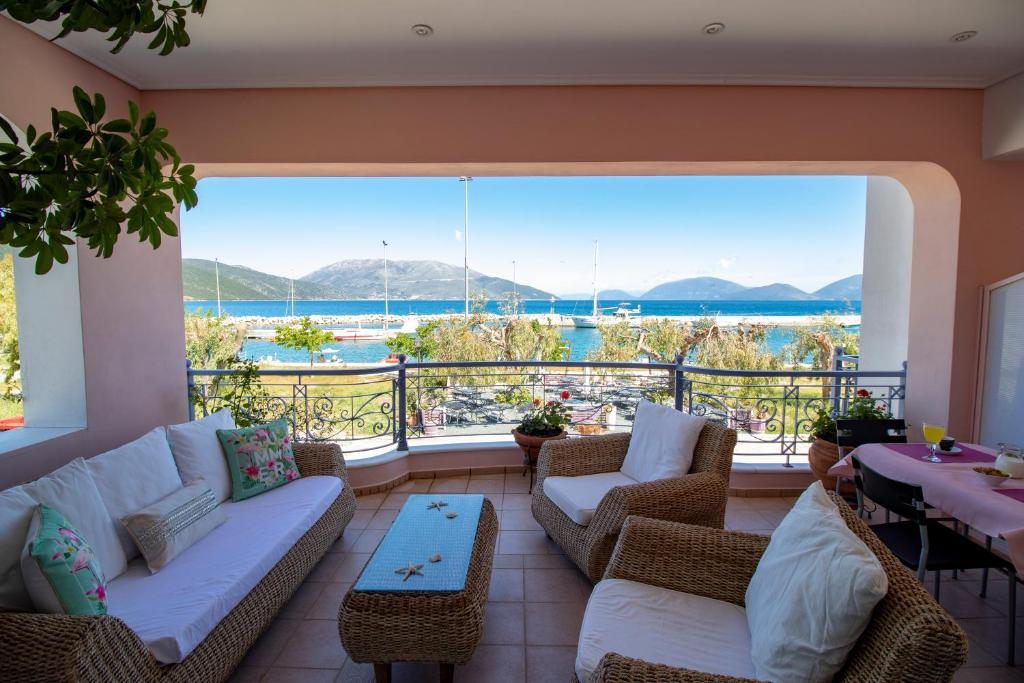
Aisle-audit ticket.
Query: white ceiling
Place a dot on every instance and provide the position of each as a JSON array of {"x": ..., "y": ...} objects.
[{"x": 280, "y": 43}]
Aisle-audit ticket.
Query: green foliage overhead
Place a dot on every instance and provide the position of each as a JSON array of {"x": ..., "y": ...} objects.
[
  {"x": 79, "y": 177},
  {"x": 120, "y": 18},
  {"x": 304, "y": 336}
]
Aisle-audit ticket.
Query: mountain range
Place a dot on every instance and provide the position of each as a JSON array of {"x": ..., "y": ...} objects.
[{"x": 364, "y": 279}]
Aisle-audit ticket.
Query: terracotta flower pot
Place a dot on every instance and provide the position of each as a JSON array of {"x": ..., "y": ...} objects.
[
  {"x": 531, "y": 444},
  {"x": 821, "y": 456}
]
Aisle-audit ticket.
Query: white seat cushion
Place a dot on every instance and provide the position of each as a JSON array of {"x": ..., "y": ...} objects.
[
  {"x": 16, "y": 508},
  {"x": 578, "y": 497},
  {"x": 198, "y": 453},
  {"x": 173, "y": 610},
  {"x": 663, "y": 626},
  {"x": 133, "y": 477},
  {"x": 812, "y": 593},
  {"x": 662, "y": 443}
]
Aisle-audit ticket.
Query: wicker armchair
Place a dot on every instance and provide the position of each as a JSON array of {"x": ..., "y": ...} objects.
[
  {"x": 910, "y": 637},
  {"x": 51, "y": 647},
  {"x": 696, "y": 498}
]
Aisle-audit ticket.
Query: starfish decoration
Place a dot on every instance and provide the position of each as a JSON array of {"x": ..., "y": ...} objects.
[
  {"x": 437, "y": 505},
  {"x": 410, "y": 570}
]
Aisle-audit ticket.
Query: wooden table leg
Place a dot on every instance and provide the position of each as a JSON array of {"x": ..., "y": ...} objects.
[
  {"x": 447, "y": 672},
  {"x": 382, "y": 672}
]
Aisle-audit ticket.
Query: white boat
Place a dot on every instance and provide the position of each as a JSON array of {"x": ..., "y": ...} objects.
[
  {"x": 594, "y": 319},
  {"x": 621, "y": 313}
]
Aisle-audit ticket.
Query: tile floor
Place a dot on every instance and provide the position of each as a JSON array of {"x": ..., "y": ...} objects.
[{"x": 537, "y": 598}]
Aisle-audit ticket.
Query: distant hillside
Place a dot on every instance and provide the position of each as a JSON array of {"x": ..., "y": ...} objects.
[
  {"x": 239, "y": 282},
  {"x": 773, "y": 292},
  {"x": 695, "y": 288},
  {"x": 847, "y": 288},
  {"x": 604, "y": 295},
  {"x": 364, "y": 279}
]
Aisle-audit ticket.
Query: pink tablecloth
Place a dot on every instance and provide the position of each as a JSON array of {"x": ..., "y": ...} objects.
[{"x": 955, "y": 489}]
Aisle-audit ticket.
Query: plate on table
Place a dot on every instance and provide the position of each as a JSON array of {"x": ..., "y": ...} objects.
[{"x": 955, "y": 450}]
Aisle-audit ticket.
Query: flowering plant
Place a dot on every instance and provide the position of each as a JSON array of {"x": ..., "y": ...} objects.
[
  {"x": 545, "y": 419},
  {"x": 863, "y": 406}
]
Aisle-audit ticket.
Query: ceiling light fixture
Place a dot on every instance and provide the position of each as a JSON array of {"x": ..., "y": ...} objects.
[
  {"x": 713, "y": 28},
  {"x": 422, "y": 30},
  {"x": 962, "y": 36}
]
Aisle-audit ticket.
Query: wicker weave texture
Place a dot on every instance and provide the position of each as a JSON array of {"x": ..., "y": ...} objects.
[
  {"x": 910, "y": 637},
  {"x": 47, "y": 647},
  {"x": 423, "y": 627},
  {"x": 699, "y": 497}
]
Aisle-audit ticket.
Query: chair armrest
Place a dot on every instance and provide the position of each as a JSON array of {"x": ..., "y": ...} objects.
[
  {"x": 323, "y": 459},
  {"x": 698, "y": 498},
  {"x": 687, "y": 558},
  {"x": 585, "y": 455},
  {"x": 616, "y": 668},
  {"x": 57, "y": 647}
]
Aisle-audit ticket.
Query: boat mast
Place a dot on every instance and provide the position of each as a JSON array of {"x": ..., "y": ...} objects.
[
  {"x": 385, "y": 284},
  {"x": 216, "y": 270},
  {"x": 595, "y": 312}
]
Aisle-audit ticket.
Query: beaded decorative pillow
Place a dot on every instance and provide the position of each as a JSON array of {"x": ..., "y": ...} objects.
[{"x": 259, "y": 458}]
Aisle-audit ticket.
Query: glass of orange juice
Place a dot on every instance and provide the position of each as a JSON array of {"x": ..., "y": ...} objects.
[{"x": 933, "y": 435}]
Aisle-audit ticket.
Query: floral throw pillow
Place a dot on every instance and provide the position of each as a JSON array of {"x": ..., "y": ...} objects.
[
  {"x": 260, "y": 458},
  {"x": 61, "y": 571}
]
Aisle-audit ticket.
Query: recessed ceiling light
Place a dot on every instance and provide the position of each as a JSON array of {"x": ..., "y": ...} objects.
[
  {"x": 422, "y": 30},
  {"x": 962, "y": 36},
  {"x": 714, "y": 28}
]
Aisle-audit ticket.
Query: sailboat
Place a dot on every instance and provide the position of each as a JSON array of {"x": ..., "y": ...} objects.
[{"x": 594, "y": 319}]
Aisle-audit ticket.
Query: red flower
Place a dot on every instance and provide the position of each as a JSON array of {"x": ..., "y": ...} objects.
[
  {"x": 863, "y": 392},
  {"x": 564, "y": 394},
  {"x": 551, "y": 403},
  {"x": 252, "y": 471},
  {"x": 536, "y": 401}
]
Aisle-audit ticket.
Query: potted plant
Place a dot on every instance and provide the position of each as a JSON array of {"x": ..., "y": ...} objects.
[
  {"x": 824, "y": 452},
  {"x": 760, "y": 419},
  {"x": 544, "y": 422}
]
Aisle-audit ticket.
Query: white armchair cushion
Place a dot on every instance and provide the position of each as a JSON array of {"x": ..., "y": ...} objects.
[
  {"x": 133, "y": 477},
  {"x": 578, "y": 497},
  {"x": 198, "y": 453},
  {"x": 663, "y": 626},
  {"x": 812, "y": 594},
  {"x": 662, "y": 443},
  {"x": 16, "y": 508}
]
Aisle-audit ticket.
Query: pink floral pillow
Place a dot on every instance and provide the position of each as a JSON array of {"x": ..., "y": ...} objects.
[{"x": 260, "y": 458}]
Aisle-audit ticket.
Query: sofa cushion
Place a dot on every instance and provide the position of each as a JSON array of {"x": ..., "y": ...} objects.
[
  {"x": 198, "y": 454},
  {"x": 133, "y": 476},
  {"x": 259, "y": 458},
  {"x": 61, "y": 571},
  {"x": 16, "y": 508},
  {"x": 663, "y": 626},
  {"x": 72, "y": 492},
  {"x": 812, "y": 593},
  {"x": 578, "y": 497},
  {"x": 662, "y": 443},
  {"x": 173, "y": 610}
]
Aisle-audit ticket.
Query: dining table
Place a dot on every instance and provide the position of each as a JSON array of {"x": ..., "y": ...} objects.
[{"x": 952, "y": 486}]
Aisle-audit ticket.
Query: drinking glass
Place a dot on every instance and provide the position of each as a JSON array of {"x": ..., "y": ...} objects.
[{"x": 933, "y": 434}]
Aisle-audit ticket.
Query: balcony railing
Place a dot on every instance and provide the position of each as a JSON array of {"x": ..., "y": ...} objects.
[{"x": 392, "y": 405}]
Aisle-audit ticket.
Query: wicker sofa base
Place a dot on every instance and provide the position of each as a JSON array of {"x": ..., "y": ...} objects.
[{"x": 423, "y": 627}]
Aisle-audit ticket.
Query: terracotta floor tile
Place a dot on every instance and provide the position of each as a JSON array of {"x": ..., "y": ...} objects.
[
  {"x": 370, "y": 502},
  {"x": 413, "y": 486},
  {"x": 1001, "y": 674},
  {"x": 548, "y": 562},
  {"x": 517, "y": 485},
  {"x": 508, "y": 561},
  {"x": 326, "y": 568},
  {"x": 497, "y": 500},
  {"x": 269, "y": 645},
  {"x": 383, "y": 519},
  {"x": 485, "y": 486},
  {"x": 506, "y": 585},
  {"x": 508, "y": 660},
  {"x": 519, "y": 520},
  {"x": 550, "y": 664},
  {"x": 525, "y": 543},
  {"x": 394, "y": 501},
  {"x": 449, "y": 485},
  {"x": 359, "y": 520},
  {"x": 553, "y": 623},
  {"x": 329, "y": 600},
  {"x": 368, "y": 541},
  {"x": 504, "y": 624},
  {"x": 516, "y": 501},
  {"x": 345, "y": 543},
  {"x": 350, "y": 567},
  {"x": 247, "y": 674},
  {"x": 487, "y": 475},
  {"x": 296, "y": 675},
  {"x": 314, "y": 644},
  {"x": 302, "y": 600},
  {"x": 556, "y": 585}
]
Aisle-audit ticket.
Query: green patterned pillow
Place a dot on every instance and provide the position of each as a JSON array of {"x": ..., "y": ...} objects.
[
  {"x": 260, "y": 458},
  {"x": 61, "y": 571}
]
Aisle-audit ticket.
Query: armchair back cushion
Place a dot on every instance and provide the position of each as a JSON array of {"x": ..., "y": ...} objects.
[
  {"x": 198, "y": 453},
  {"x": 662, "y": 443},
  {"x": 812, "y": 594},
  {"x": 16, "y": 508}
]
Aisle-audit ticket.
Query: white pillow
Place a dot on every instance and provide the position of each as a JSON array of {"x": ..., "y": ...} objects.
[
  {"x": 812, "y": 594},
  {"x": 662, "y": 443},
  {"x": 72, "y": 492},
  {"x": 134, "y": 476},
  {"x": 16, "y": 508},
  {"x": 198, "y": 453}
]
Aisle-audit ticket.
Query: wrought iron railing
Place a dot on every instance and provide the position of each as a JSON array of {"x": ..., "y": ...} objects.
[{"x": 391, "y": 405}]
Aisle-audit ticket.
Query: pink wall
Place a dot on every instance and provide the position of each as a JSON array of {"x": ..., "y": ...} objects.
[{"x": 131, "y": 304}]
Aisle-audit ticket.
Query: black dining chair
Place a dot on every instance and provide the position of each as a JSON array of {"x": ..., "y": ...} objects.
[
  {"x": 853, "y": 433},
  {"x": 924, "y": 544}
]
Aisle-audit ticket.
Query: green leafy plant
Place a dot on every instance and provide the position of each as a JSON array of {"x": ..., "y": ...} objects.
[
  {"x": 87, "y": 177},
  {"x": 212, "y": 341},
  {"x": 862, "y": 407},
  {"x": 121, "y": 18},
  {"x": 546, "y": 419},
  {"x": 302, "y": 337},
  {"x": 10, "y": 357}
]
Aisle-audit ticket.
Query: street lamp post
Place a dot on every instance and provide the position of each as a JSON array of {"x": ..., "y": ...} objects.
[
  {"x": 515, "y": 292},
  {"x": 465, "y": 240},
  {"x": 385, "y": 284}
]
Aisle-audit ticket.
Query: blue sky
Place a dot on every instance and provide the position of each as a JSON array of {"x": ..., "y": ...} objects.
[{"x": 806, "y": 231}]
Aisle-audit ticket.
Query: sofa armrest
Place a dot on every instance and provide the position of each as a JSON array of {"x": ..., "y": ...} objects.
[
  {"x": 323, "y": 459},
  {"x": 616, "y": 668},
  {"x": 698, "y": 498},
  {"x": 585, "y": 455},
  {"x": 56, "y": 647},
  {"x": 687, "y": 558}
]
